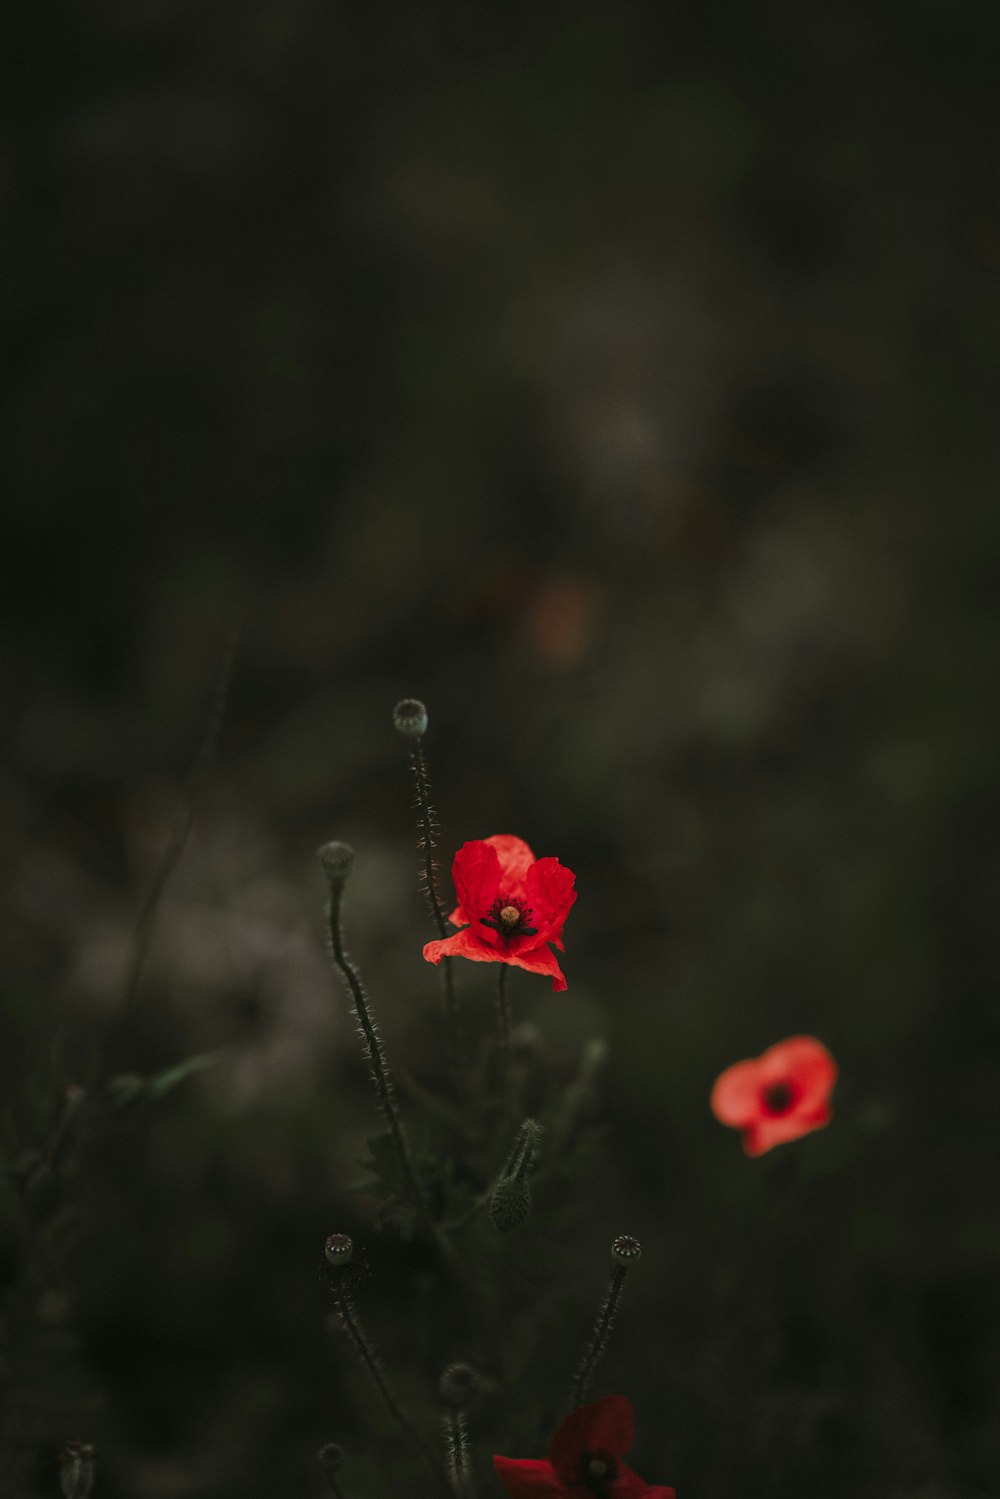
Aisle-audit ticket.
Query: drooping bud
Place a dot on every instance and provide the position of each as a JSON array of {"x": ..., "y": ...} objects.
[
  {"x": 510, "y": 1204},
  {"x": 459, "y": 1385},
  {"x": 338, "y": 1250},
  {"x": 409, "y": 718},
  {"x": 626, "y": 1251},
  {"x": 336, "y": 859}
]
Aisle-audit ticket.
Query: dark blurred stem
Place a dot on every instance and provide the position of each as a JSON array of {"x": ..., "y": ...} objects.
[
  {"x": 598, "y": 1343},
  {"x": 419, "y": 767},
  {"x": 183, "y": 822},
  {"x": 503, "y": 1028},
  {"x": 374, "y": 1050},
  {"x": 366, "y": 1353}
]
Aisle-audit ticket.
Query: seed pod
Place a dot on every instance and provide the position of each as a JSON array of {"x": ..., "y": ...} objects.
[
  {"x": 338, "y": 1249},
  {"x": 510, "y": 1204},
  {"x": 336, "y": 859},
  {"x": 626, "y": 1251},
  {"x": 409, "y": 718}
]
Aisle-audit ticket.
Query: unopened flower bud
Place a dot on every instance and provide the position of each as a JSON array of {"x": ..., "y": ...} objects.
[
  {"x": 330, "y": 1457},
  {"x": 459, "y": 1384},
  {"x": 336, "y": 859},
  {"x": 626, "y": 1251},
  {"x": 409, "y": 718},
  {"x": 339, "y": 1249},
  {"x": 510, "y": 1204}
]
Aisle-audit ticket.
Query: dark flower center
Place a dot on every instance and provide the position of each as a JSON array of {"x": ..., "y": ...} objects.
[
  {"x": 779, "y": 1098},
  {"x": 510, "y": 916},
  {"x": 597, "y": 1471}
]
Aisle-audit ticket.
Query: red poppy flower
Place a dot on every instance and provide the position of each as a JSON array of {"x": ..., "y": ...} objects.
[
  {"x": 778, "y": 1096},
  {"x": 585, "y": 1459},
  {"x": 514, "y": 906}
]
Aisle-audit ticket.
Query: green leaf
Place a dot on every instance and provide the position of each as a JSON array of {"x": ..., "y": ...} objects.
[{"x": 164, "y": 1082}]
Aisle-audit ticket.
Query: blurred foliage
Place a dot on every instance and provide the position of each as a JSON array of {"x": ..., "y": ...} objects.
[{"x": 619, "y": 380}]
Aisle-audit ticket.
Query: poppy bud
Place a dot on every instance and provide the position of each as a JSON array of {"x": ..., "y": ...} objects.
[
  {"x": 338, "y": 1250},
  {"x": 330, "y": 1457},
  {"x": 510, "y": 1204},
  {"x": 409, "y": 718},
  {"x": 336, "y": 859},
  {"x": 626, "y": 1251},
  {"x": 459, "y": 1384}
]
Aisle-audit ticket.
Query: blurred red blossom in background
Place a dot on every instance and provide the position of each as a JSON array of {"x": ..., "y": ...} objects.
[{"x": 778, "y": 1096}]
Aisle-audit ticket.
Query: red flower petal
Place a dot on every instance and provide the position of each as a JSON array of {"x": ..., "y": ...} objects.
[
  {"x": 465, "y": 944},
  {"x": 804, "y": 1061},
  {"x": 525, "y": 1478},
  {"x": 763, "y": 1134},
  {"x": 608, "y": 1426},
  {"x": 476, "y": 872},
  {"x": 538, "y": 960},
  {"x": 550, "y": 895},
  {"x": 736, "y": 1095},
  {"x": 629, "y": 1485},
  {"x": 516, "y": 859}
]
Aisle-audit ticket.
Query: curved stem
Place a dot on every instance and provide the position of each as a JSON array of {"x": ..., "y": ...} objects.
[
  {"x": 373, "y": 1048},
  {"x": 353, "y": 1328},
  {"x": 599, "y": 1337},
  {"x": 375, "y": 1051}
]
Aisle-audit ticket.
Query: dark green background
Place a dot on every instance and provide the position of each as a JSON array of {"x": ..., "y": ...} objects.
[{"x": 621, "y": 380}]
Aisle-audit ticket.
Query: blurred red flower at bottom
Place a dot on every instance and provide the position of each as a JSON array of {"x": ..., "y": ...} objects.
[
  {"x": 585, "y": 1459},
  {"x": 778, "y": 1096}
]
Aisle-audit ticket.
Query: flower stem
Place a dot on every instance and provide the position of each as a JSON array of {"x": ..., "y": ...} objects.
[
  {"x": 183, "y": 823},
  {"x": 456, "y": 1435},
  {"x": 352, "y": 1326},
  {"x": 336, "y": 859},
  {"x": 503, "y": 1027},
  {"x": 418, "y": 766},
  {"x": 625, "y": 1251},
  {"x": 374, "y": 1050}
]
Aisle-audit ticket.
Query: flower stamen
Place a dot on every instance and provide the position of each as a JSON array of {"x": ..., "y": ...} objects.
[
  {"x": 510, "y": 916},
  {"x": 598, "y": 1470},
  {"x": 779, "y": 1098}
]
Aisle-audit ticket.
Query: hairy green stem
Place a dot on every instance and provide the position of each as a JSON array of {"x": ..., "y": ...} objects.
[
  {"x": 418, "y": 764},
  {"x": 456, "y": 1435},
  {"x": 366, "y": 1353},
  {"x": 598, "y": 1343},
  {"x": 373, "y": 1049}
]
